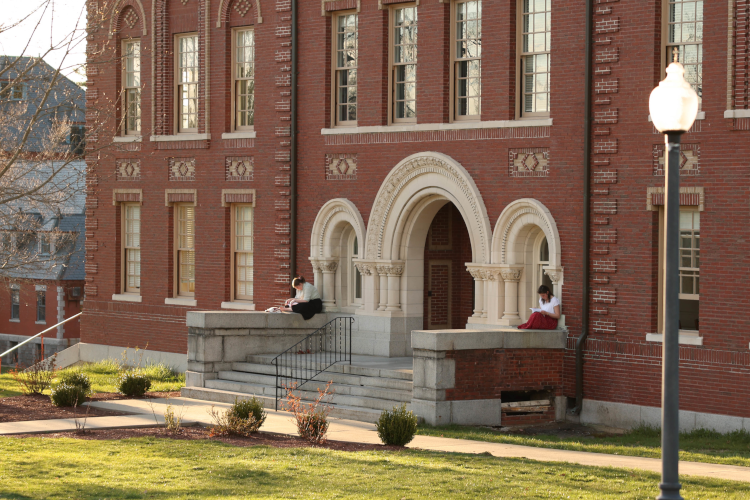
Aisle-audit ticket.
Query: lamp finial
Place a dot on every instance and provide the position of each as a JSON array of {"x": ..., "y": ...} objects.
[{"x": 675, "y": 54}]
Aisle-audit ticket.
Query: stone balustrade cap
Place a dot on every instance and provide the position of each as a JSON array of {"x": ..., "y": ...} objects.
[{"x": 502, "y": 338}]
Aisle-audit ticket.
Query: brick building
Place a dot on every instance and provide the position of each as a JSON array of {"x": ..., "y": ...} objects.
[{"x": 427, "y": 182}]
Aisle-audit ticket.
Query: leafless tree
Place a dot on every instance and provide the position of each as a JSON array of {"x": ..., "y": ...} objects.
[{"x": 49, "y": 139}]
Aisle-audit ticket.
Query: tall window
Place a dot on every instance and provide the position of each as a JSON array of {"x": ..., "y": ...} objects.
[
  {"x": 131, "y": 228},
  {"x": 404, "y": 63},
  {"x": 41, "y": 305},
  {"x": 467, "y": 68},
  {"x": 345, "y": 72},
  {"x": 536, "y": 25},
  {"x": 187, "y": 83},
  {"x": 684, "y": 26},
  {"x": 15, "y": 303},
  {"x": 131, "y": 51},
  {"x": 185, "y": 250},
  {"x": 44, "y": 244},
  {"x": 242, "y": 250},
  {"x": 689, "y": 269},
  {"x": 244, "y": 79}
]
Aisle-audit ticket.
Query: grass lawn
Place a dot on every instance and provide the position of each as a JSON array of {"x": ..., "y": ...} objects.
[
  {"x": 102, "y": 376},
  {"x": 696, "y": 446},
  {"x": 164, "y": 468}
]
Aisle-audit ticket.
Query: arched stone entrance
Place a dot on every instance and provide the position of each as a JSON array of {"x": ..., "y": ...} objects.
[
  {"x": 337, "y": 241},
  {"x": 525, "y": 249},
  {"x": 393, "y": 266}
]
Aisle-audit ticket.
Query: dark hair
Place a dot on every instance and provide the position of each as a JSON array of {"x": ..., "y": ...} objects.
[
  {"x": 545, "y": 289},
  {"x": 298, "y": 281}
]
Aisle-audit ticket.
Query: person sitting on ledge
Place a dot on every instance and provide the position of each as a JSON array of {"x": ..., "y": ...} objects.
[
  {"x": 307, "y": 300},
  {"x": 544, "y": 318}
]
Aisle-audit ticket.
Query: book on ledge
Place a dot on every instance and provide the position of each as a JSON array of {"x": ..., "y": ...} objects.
[{"x": 535, "y": 309}]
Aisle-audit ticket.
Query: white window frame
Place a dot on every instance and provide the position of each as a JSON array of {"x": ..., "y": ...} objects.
[
  {"x": 180, "y": 252},
  {"x": 10, "y": 89},
  {"x": 43, "y": 294},
  {"x": 179, "y": 83},
  {"x": 236, "y": 81},
  {"x": 667, "y": 46},
  {"x": 392, "y": 65},
  {"x": 131, "y": 91},
  {"x": 336, "y": 70},
  {"x": 520, "y": 66},
  {"x": 456, "y": 61},
  {"x": 354, "y": 272},
  {"x": 126, "y": 248},
  {"x": 235, "y": 253},
  {"x": 15, "y": 293}
]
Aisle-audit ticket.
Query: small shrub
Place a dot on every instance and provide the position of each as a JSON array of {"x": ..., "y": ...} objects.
[
  {"x": 68, "y": 395},
  {"x": 75, "y": 377},
  {"x": 37, "y": 378},
  {"x": 132, "y": 384},
  {"x": 244, "y": 409},
  {"x": 311, "y": 418},
  {"x": 172, "y": 422},
  {"x": 397, "y": 427},
  {"x": 227, "y": 423}
]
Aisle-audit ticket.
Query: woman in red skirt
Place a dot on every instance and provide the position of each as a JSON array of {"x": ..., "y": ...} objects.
[{"x": 544, "y": 318}]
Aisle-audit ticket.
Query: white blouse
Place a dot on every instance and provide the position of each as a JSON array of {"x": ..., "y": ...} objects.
[
  {"x": 549, "y": 307},
  {"x": 308, "y": 292}
]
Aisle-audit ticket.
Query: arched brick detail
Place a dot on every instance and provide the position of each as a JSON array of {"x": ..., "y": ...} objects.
[
  {"x": 224, "y": 5},
  {"x": 115, "y": 21}
]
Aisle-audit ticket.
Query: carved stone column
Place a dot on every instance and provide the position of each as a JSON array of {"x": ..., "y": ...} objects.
[
  {"x": 490, "y": 277},
  {"x": 493, "y": 293},
  {"x": 556, "y": 277},
  {"x": 383, "y": 277},
  {"x": 511, "y": 277},
  {"x": 328, "y": 267},
  {"x": 366, "y": 270},
  {"x": 317, "y": 274},
  {"x": 479, "y": 300},
  {"x": 394, "y": 287}
]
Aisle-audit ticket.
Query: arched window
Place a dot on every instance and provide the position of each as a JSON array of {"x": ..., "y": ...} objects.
[{"x": 356, "y": 284}]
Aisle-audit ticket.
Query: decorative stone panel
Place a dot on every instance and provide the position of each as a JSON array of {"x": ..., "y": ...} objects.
[
  {"x": 528, "y": 162},
  {"x": 128, "y": 169},
  {"x": 341, "y": 166},
  {"x": 690, "y": 155},
  {"x": 182, "y": 169},
  {"x": 239, "y": 168}
]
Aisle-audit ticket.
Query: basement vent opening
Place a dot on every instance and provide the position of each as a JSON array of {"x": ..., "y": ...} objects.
[{"x": 525, "y": 402}]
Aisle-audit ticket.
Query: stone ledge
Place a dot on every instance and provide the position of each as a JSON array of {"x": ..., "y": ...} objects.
[
  {"x": 502, "y": 338},
  {"x": 230, "y": 320}
]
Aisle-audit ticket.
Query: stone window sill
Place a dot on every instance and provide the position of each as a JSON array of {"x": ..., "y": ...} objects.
[
  {"x": 737, "y": 113},
  {"x": 127, "y": 138},
  {"x": 181, "y": 301},
  {"x": 701, "y": 116},
  {"x": 685, "y": 338},
  {"x": 245, "y": 134},
  {"x": 180, "y": 137},
  {"x": 428, "y": 127},
  {"x": 14, "y": 320},
  {"x": 127, "y": 297},
  {"x": 242, "y": 306},
  {"x": 40, "y": 322}
]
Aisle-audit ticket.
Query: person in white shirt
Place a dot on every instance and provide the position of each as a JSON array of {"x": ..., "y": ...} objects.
[
  {"x": 306, "y": 301},
  {"x": 544, "y": 318}
]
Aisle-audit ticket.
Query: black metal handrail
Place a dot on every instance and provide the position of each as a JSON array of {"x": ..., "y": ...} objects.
[{"x": 311, "y": 356}]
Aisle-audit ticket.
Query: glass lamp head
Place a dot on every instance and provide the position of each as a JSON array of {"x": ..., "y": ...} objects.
[{"x": 673, "y": 104}]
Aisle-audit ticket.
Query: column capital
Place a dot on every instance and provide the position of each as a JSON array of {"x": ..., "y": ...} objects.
[
  {"x": 328, "y": 266},
  {"x": 475, "y": 270},
  {"x": 390, "y": 268},
  {"x": 511, "y": 273},
  {"x": 365, "y": 268},
  {"x": 555, "y": 273}
]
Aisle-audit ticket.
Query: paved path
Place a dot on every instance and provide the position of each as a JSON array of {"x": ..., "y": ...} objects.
[{"x": 196, "y": 412}]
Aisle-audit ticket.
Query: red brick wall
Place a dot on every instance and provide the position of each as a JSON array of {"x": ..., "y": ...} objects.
[
  {"x": 487, "y": 373},
  {"x": 27, "y": 312}
]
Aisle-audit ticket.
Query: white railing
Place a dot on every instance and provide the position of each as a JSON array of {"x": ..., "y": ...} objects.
[{"x": 35, "y": 336}]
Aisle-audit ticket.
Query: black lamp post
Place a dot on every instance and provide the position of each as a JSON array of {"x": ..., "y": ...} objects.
[{"x": 674, "y": 107}]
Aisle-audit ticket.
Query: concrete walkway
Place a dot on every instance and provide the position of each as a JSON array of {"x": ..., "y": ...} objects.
[{"x": 197, "y": 412}]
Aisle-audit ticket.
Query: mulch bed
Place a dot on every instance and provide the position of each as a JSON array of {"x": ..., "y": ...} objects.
[
  {"x": 39, "y": 407},
  {"x": 199, "y": 433}
]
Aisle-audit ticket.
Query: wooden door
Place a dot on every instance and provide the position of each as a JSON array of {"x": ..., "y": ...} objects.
[{"x": 439, "y": 295}]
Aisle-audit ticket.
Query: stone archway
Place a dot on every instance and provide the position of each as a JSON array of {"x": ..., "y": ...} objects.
[
  {"x": 337, "y": 237},
  {"x": 521, "y": 228},
  {"x": 408, "y": 199}
]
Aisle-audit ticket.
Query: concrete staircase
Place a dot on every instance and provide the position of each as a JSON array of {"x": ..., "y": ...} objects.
[{"x": 361, "y": 390}]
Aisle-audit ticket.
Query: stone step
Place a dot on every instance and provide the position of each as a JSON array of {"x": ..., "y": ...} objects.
[
  {"x": 306, "y": 394},
  {"x": 337, "y": 377},
  {"x": 344, "y": 387},
  {"x": 222, "y": 396},
  {"x": 342, "y": 367}
]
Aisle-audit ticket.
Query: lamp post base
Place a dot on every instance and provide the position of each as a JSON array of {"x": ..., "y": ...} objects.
[{"x": 669, "y": 491}]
